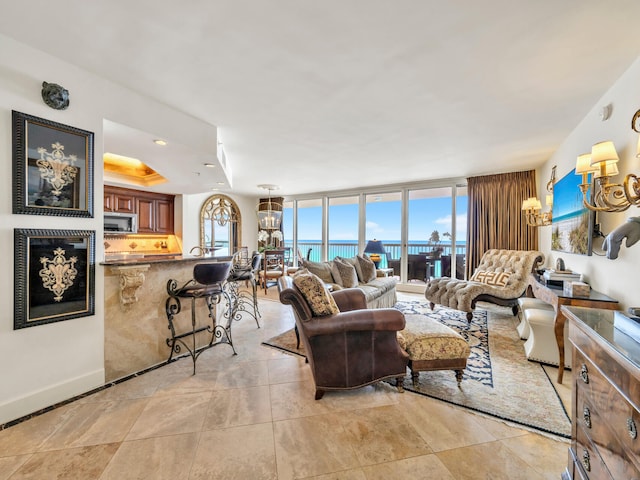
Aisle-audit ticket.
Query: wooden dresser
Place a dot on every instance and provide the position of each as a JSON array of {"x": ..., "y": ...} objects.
[{"x": 605, "y": 398}]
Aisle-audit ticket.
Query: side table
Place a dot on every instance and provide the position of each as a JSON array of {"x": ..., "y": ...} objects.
[{"x": 384, "y": 272}]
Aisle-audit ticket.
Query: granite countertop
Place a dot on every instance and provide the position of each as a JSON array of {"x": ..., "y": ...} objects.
[{"x": 138, "y": 259}]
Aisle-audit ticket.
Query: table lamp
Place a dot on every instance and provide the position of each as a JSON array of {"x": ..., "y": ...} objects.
[{"x": 374, "y": 249}]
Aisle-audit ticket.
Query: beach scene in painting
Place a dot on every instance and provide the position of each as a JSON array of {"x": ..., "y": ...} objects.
[{"x": 572, "y": 221}]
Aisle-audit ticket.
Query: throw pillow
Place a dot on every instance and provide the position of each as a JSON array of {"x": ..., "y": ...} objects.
[
  {"x": 354, "y": 262},
  {"x": 321, "y": 269},
  {"x": 497, "y": 279},
  {"x": 315, "y": 292},
  {"x": 368, "y": 269},
  {"x": 347, "y": 273}
]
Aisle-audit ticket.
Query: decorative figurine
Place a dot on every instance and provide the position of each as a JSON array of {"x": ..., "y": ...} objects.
[{"x": 55, "y": 96}]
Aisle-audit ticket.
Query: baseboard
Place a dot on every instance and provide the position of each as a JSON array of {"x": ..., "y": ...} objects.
[{"x": 19, "y": 407}]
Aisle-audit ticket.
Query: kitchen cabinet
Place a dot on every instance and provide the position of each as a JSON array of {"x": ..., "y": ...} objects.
[{"x": 154, "y": 210}]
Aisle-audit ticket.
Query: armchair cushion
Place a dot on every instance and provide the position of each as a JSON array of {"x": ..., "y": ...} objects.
[{"x": 315, "y": 293}]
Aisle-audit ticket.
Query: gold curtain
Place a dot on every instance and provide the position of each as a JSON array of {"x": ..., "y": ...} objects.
[{"x": 495, "y": 218}]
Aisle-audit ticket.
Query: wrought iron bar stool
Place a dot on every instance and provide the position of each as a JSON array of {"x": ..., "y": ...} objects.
[
  {"x": 242, "y": 300},
  {"x": 207, "y": 283}
]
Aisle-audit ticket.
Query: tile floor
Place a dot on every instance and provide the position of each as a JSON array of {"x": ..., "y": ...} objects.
[{"x": 253, "y": 416}]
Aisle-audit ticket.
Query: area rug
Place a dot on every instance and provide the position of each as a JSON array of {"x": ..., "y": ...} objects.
[{"x": 499, "y": 381}]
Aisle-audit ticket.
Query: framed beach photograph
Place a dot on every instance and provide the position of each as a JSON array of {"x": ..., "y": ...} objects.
[
  {"x": 52, "y": 168},
  {"x": 572, "y": 224},
  {"x": 54, "y": 276}
]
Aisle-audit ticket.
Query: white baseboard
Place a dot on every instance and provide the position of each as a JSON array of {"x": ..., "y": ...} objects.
[{"x": 20, "y": 406}]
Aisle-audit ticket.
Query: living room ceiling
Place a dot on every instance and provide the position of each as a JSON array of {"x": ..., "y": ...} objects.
[{"x": 319, "y": 96}]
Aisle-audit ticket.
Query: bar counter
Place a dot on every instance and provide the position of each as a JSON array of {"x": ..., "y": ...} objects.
[{"x": 136, "y": 325}]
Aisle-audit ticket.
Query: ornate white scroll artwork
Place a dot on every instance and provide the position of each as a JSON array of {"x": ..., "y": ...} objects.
[
  {"x": 58, "y": 274},
  {"x": 56, "y": 168}
]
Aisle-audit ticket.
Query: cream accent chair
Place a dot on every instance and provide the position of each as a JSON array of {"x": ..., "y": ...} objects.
[{"x": 464, "y": 294}]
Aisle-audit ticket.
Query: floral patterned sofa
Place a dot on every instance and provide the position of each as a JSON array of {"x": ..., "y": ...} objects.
[{"x": 500, "y": 278}]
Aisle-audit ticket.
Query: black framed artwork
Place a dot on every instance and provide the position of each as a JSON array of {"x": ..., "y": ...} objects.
[
  {"x": 52, "y": 168},
  {"x": 54, "y": 276}
]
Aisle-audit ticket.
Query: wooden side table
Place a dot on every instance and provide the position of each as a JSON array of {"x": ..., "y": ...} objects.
[{"x": 556, "y": 298}]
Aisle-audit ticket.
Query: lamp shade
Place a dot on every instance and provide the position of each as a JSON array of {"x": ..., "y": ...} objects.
[
  {"x": 375, "y": 246},
  {"x": 583, "y": 164},
  {"x": 603, "y": 152}
]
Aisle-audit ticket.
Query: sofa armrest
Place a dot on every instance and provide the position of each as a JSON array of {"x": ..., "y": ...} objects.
[
  {"x": 380, "y": 319},
  {"x": 350, "y": 299}
]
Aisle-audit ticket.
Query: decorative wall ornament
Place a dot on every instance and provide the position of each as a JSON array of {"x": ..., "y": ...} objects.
[
  {"x": 131, "y": 279},
  {"x": 55, "y": 96},
  {"x": 220, "y": 226},
  {"x": 59, "y": 273},
  {"x": 56, "y": 168},
  {"x": 52, "y": 168},
  {"x": 54, "y": 276}
]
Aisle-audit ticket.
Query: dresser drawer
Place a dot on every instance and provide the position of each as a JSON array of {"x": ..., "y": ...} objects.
[
  {"x": 588, "y": 459},
  {"x": 613, "y": 418}
]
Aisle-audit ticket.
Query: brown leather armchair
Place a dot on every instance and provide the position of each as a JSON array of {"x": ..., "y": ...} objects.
[{"x": 351, "y": 349}]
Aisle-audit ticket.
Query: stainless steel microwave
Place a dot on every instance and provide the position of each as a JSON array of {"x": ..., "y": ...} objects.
[{"x": 120, "y": 223}]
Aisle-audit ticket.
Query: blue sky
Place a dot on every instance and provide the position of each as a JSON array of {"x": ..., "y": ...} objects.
[{"x": 383, "y": 220}]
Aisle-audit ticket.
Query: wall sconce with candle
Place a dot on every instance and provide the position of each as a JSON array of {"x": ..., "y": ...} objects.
[
  {"x": 608, "y": 196},
  {"x": 532, "y": 206}
]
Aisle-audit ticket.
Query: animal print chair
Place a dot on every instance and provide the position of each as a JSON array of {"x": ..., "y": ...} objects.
[{"x": 500, "y": 278}]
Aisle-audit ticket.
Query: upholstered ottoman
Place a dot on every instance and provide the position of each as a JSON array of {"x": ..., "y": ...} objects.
[
  {"x": 526, "y": 303},
  {"x": 432, "y": 346},
  {"x": 541, "y": 345}
]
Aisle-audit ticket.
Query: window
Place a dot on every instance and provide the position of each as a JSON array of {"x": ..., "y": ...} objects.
[{"x": 343, "y": 227}]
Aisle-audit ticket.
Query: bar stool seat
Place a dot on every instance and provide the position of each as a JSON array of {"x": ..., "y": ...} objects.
[{"x": 207, "y": 283}]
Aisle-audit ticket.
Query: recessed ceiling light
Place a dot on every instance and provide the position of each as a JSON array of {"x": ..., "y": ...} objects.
[
  {"x": 210, "y": 165},
  {"x": 160, "y": 142},
  {"x": 215, "y": 189},
  {"x": 220, "y": 183}
]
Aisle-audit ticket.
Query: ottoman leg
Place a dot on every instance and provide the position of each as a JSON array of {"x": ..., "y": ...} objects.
[
  {"x": 432, "y": 305},
  {"x": 400, "y": 384},
  {"x": 414, "y": 378},
  {"x": 459, "y": 377}
]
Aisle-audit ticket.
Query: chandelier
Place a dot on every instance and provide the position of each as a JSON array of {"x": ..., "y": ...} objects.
[
  {"x": 607, "y": 196},
  {"x": 269, "y": 213},
  {"x": 532, "y": 206}
]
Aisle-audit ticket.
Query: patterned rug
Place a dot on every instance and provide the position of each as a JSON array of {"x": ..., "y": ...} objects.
[{"x": 499, "y": 381}]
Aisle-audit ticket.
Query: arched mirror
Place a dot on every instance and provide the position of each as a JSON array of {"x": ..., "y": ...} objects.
[{"x": 220, "y": 226}]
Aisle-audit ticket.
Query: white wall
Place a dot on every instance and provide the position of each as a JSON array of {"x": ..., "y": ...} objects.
[
  {"x": 46, "y": 364},
  {"x": 616, "y": 278}
]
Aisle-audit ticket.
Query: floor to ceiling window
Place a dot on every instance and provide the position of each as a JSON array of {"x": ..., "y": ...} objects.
[
  {"x": 384, "y": 222},
  {"x": 343, "y": 227},
  {"x": 310, "y": 229},
  {"x": 422, "y": 228}
]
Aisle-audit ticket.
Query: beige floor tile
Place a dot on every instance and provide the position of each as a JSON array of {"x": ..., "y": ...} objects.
[
  {"x": 443, "y": 426},
  {"x": 246, "y": 374},
  {"x": 355, "y": 474},
  {"x": 489, "y": 460},
  {"x": 27, "y": 436},
  {"x": 376, "y": 395},
  {"x": 295, "y": 400},
  {"x": 86, "y": 463},
  {"x": 171, "y": 415},
  {"x": 158, "y": 458},
  {"x": 185, "y": 383},
  {"x": 312, "y": 446},
  {"x": 288, "y": 369},
  {"x": 426, "y": 467},
  {"x": 241, "y": 406},
  {"x": 96, "y": 423},
  {"x": 239, "y": 452},
  {"x": 8, "y": 465},
  {"x": 533, "y": 447},
  {"x": 382, "y": 434}
]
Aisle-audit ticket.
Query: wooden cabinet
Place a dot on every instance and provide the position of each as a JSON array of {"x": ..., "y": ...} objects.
[
  {"x": 121, "y": 202},
  {"x": 155, "y": 210},
  {"x": 605, "y": 398}
]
